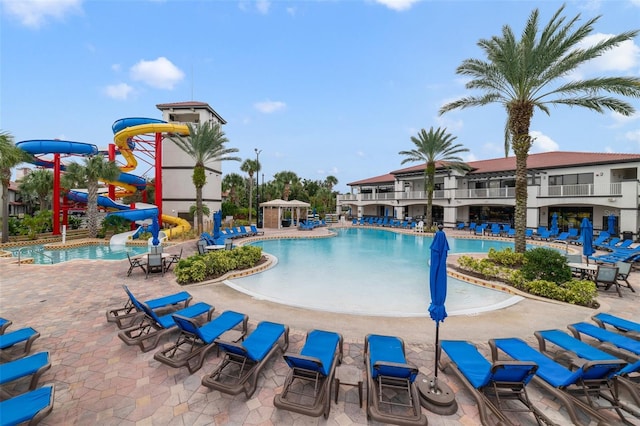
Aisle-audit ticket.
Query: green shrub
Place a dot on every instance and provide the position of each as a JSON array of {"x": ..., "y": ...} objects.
[
  {"x": 581, "y": 292},
  {"x": 216, "y": 263},
  {"x": 545, "y": 264},
  {"x": 506, "y": 257}
]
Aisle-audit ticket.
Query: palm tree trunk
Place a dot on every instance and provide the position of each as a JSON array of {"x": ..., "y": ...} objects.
[
  {"x": 521, "y": 204},
  {"x": 199, "y": 219},
  {"x": 92, "y": 209},
  {"x": 250, "y": 195},
  {"x": 5, "y": 178},
  {"x": 429, "y": 185}
]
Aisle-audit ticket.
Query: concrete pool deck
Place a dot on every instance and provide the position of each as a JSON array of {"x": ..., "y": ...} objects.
[{"x": 99, "y": 380}]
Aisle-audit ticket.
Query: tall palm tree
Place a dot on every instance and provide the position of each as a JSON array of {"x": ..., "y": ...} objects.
[
  {"x": 95, "y": 168},
  {"x": 38, "y": 185},
  {"x": 250, "y": 167},
  {"x": 233, "y": 182},
  {"x": 205, "y": 143},
  {"x": 10, "y": 156},
  {"x": 531, "y": 73},
  {"x": 432, "y": 147},
  {"x": 330, "y": 181}
]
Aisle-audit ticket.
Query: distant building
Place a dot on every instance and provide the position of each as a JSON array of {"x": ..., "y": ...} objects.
[
  {"x": 178, "y": 192},
  {"x": 572, "y": 185}
]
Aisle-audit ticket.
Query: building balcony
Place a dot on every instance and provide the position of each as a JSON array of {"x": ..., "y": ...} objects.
[{"x": 583, "y": 190}]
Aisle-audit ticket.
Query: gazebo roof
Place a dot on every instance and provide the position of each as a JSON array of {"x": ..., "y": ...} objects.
[{"x": 283, "y": 203}]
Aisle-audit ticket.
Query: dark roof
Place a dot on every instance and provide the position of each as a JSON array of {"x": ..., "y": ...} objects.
[
  {"x": 388, "y": 178},
  {"x": 190, "y": 105},
  {"x": 544, "y": 160}
]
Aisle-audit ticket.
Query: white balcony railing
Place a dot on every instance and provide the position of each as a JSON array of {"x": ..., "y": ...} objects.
[
  {"x": 586, "y": 190},
  {"x": 507, "y": 192}
]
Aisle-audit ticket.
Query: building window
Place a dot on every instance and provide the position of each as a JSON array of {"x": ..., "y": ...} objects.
[{"x": 572, "y": 179}]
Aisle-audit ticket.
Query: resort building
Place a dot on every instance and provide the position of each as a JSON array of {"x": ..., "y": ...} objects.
[
  {"x": 571, "y": 185},
  {"x": 178, "y": 193}
]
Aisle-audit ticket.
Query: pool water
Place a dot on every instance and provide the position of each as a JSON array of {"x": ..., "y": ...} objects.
[
  {"x": 44, "y": 256},
  {"x": 368, "y": 272}
]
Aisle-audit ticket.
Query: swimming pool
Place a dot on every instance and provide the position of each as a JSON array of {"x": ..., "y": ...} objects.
[
  {"x": 366, "y": 272},
  {"x": 44, "y": 256}
]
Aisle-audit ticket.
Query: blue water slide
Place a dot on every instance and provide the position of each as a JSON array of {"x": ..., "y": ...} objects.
[
  {"x": 123, "y": 123},
  {"x": 124, "y": 210},
  {"x": 55, "y": 146}
]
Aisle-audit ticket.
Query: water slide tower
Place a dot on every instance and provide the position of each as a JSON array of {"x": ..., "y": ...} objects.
[{"x": 178, "y": 192}]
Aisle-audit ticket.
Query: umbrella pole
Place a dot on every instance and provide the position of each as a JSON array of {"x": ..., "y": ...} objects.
[
  {"x": 434, "y": 396},
  {"x": 435, "y": 379}
]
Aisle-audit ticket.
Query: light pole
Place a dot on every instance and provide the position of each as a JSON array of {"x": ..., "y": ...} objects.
[{"x": 258, "y": 220}]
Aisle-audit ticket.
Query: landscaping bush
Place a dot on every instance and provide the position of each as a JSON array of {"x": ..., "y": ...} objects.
[
  {"x": 216, "y": 263},
  {"x": 545, "y": 264},
  {"x": 506, "y": 257}
]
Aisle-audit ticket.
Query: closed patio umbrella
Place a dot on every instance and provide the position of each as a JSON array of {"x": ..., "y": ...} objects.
[
  {"x": 611, "y": 222},
  {"x": 554, "y": 224},
  {"x": 217, "y": 223},
  {"x": 586, "y": 231},
  {"x": 155, "y": 231},
  {"x": 438, "y": 396}
]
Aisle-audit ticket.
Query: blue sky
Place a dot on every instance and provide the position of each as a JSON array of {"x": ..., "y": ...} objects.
[{"x": 321, "y": 87}]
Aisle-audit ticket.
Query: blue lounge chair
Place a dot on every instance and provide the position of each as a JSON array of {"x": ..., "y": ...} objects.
[
  {"x": 491, "y": 384},
  {"x": 255, "y": 230},
  {"x": 125, "y": 316},
  {"x": 577, "y": 351},
  {"x": 511, "y": 232},
  {"x": 472, "y": 227},
  {"x": 624, "y": 245},
  {"x": 588, "y": 381},
  {"x": 30, "y": 407},
  {"x": 242, "y": 362},
  {"x": 315, "y": 365},
  {"x": 618, "y": 344},
  {"x": 460, "y": 226},
  {"x": 495, "y": 230},
  {"x": 239, "y": 233},
  {"x": 608, "y": 245},
  {"x": 195, "y": 341},
  {"x": 562, "y": 238},
  {"x": 391, "y": 382},
  {"x": 622, "y": 325},
  {"x": 528, "y": 233},
  {"x": 147, "y": 333},
  {"x": 602, "y": 237},
  {"x": 11, "y": 344},
  {"x": 543, "y": 235},
  {"x": 30, "y": 366},
  {"x": 4, "y": 324}
]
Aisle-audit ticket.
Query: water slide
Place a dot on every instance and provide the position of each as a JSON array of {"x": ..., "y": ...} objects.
[
  {"x": 124, "y": 131},
  {"x": 40, "y": 147}
]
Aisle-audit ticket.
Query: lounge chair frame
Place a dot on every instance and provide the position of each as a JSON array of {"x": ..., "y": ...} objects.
[
  {"x": 490, "y": 397},
  {"x": 10, "y": 343},
  {"x": 147, "y": 334},
  {"x": 4, "y": 324},
  {"x": 136, "y": 262},
  {"x": 21, "y": 404},
  {"x": 33, "y": 366},
  {"x": 238, "y": 372},
  {"x": 587, "y": 388},
  {"x": 378, "y": 386},
  {"x": 625, "y": 327},
  {"x": 294, "y": 393},
  {"x": 127, "y": 315},
  {"x": 189, "y": 346}
]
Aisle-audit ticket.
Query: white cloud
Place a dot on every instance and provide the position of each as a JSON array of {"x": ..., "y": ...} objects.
[
  {"x": 34, "y": 13},
  {"x": 263, "y": 6},
  {"x": 361, "y": 154},
  {"x": 116, "y": 67},
  {"x": 623, "y": 58},
  {"x": 267, "y": 107},
  {"x": 622, "y": 120},
  {"x": 160, "y": 73},
  {"x": 450, "y": 123},
  {"x": 633, "y": 135},
  {"x": 398, "y": 5},
  {"x": 120, "y": 91},
  {"x": 542, "y": 143}
]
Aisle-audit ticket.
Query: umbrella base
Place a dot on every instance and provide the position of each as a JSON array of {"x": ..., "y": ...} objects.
[{"x": 439, "y": 400}]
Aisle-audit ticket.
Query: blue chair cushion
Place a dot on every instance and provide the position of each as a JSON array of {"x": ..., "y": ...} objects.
[
  {"x": 24, "y": 407},
  {"x": 23, "y": 367},
  {"x": 167, "y": 321},
  {"x": 9, "y": 339},
  {"x": 261, "y": 340},
  {"x": 469, "y": 361},
  {"x": 618, "y": 322},
  {"x": 215, "y": 328},
  {"x": 321, "y": 345},
  {"x": 388, "y": 349},
  {"x": 603, "y": 335}
]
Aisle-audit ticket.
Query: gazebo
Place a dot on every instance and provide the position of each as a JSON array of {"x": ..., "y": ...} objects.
[{"x": 274, "y": 212}]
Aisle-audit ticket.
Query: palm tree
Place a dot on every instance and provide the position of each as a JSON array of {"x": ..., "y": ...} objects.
[
  {"x": 232, "y": 183},
  {"x": 10, "y": 156},
  {"x": 531, "y": 73},
  {"x": 288, "y": 184},
  {"x": 38, "y": 185},
  {"x": 250, "y": 167},
  {"x": 435, "y": 146},
  {"x": 330, "y": 181},
  {"x": 95, "y": 168},
  {"x": 205, "y": 143}
]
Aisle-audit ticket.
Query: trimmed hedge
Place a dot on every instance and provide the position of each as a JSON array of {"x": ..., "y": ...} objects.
[{"x": 213, "y": 264}]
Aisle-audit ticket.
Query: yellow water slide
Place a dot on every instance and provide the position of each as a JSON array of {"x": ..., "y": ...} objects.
[{"x": 121, "y": 140}]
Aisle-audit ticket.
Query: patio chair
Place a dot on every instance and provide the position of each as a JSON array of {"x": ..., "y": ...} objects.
[
  {"x": 256, "y": 232},
  {"x": 392, "y": 392},
  {"x": 607, "y": 277},
  {"x": 624, "y": 269},
  {"x": 125, "y": 316},
  {"x": 491, "y": 384},
  {"x": 195, "y": 341},
  {"x": 589, "y": 381},
  {"x": 460, "y": 226},
  {"x": 201, "y": 244},
  {"x": 602, "y": 237},
  {"x": 11, "y": 344},
  {"x": 624, "y": 326},
  {"x": 243, "y": 362},
  {"x": 30, "y": 407},
  {"x": 4, "y": 324},
  {"x": 577, "y": 351},
  {"x": 528, "y": 233},
  {"x": 307, "y": 388},
  {"x": 562, "y": 238},
  {"x": 152, "y": 327},
  {"x": 136, "y": 262},
  {"x": 155, "y": 263},
  {"x": 172, "y": 260},
  {"x": 32, "y": 366},
  {"x": 614, "y": 343},
  {"x": 608, "y": 245}
]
